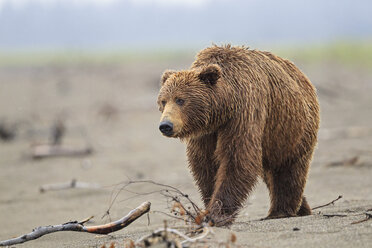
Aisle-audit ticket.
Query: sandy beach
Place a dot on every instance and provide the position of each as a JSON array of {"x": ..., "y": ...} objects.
[{"x": 112, "y": 109}]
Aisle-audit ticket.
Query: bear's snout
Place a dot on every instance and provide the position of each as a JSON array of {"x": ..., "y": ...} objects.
[{"x": 166, "y": 127}]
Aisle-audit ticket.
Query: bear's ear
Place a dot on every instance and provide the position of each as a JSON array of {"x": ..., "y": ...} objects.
[
  {"x": 166, "y": 75},
  {"x": 210, "y": 74}
]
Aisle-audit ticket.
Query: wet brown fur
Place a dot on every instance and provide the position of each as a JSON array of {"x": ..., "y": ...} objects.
[{"x": 246, "y": 114}]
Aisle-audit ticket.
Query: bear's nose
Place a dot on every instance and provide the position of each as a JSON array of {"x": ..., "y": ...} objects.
[{"x": 166, "y": 127}]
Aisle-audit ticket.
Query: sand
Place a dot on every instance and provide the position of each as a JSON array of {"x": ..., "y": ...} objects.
[{"x": 112, "y": 107}]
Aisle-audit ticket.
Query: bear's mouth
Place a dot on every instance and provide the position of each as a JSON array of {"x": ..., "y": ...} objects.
[
  {"x": 173, "y": 135},
  {"x": 169, "y": 135}
]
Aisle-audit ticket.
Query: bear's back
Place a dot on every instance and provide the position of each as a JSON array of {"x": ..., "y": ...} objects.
[{"x": 286, "y": 94}]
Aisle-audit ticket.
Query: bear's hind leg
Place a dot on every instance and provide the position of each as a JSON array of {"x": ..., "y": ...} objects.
[{"x": 286, "y": 185}]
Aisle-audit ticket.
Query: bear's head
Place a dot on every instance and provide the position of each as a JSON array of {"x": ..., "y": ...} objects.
[{"x": 188, "y": 101}]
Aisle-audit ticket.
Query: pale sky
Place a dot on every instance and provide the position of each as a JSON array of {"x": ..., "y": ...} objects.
[
  {"x": 96, "y": 24},
  {"x": 46, "y": 3}
]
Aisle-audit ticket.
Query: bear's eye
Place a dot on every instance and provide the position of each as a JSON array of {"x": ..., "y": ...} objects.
[
  {"x": 163, "y": 103},
  {"x": 180, "y": 102}
]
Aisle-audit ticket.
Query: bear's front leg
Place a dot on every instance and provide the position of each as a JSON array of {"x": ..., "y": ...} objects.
[
  {"x": 240, "y": 158},
  {"x": 200, "y": 152}
]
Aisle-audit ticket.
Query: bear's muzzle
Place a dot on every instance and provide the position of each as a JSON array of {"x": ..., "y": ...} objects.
[{"x": 166, "y": 127}]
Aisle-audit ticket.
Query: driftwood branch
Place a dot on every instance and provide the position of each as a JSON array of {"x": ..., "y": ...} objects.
[
  {"x": 329, "y": 203},
  {"x": 79, "y": 226},
  {"x": 346, "y": 162},
  {"x": 46, "y": 151},
  {"x": 73, "y": 184}
]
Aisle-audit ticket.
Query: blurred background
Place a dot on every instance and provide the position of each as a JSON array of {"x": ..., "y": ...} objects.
[
  {"x": 165, "y": 25},
  {"x": 78, "y": 87},
  {"x": 182, "y": 24}
]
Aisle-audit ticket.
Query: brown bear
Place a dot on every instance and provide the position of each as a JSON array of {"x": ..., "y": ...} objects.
[{"x": 243, "y": 114}]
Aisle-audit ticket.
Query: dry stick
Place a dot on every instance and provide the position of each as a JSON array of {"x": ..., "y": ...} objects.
[
  {"x": 139, "y": 194},
  {"x": 196, "y": 208},
  {"x": 187, "y": 239},
  {"x": 165, "y": 192},
  {"x": 334, "y": 215},
  {"x": 79, "y": 227},
  {"x": 86, "y": 220},
  {"x": 45, "y": 151},
  {"x": 169, "y": 188},
  {"x": 368, "y": 217},
  {"x": 169, "y": 215},
  {"x": 73, "y": 184},
  {"x": 188, "y": 213},
  {"x": 330, "y": 203},
  {"x": 346, "y": 162},
  {"x": 203, "y": 235}
]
